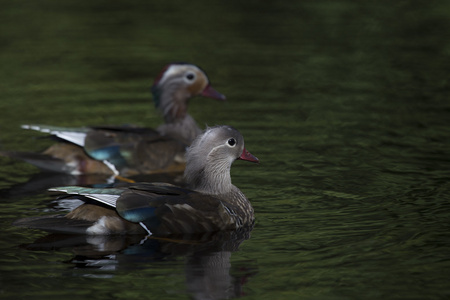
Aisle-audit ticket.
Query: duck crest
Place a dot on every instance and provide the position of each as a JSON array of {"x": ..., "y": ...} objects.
[
  {"x": 170, "y": 101},
  {"x": 156, "y": 92},
  {"x": 155, "y": 89},
  {"x": 161, "y": 74}
]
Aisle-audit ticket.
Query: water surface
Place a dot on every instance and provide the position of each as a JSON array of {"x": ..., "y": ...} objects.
[{"x": 345, "y": 104}]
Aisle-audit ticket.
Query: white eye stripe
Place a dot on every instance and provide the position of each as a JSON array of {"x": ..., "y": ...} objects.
[
  {"x": 180, "y": 71},
  {"x": 172, "y": 70}
]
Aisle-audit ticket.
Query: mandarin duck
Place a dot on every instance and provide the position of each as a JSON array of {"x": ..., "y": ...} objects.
[
  {"x": 211, "y": 203},
  {"x": 128, "y": 150}
]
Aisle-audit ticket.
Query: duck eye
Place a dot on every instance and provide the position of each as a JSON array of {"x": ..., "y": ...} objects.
[
  {"x": 232, "y": 142},
  {"x": 190, "y": 76}
]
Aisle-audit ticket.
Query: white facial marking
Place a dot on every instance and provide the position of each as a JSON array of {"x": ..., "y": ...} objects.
[
  {"x": 177, "y": 69},
  {"x": 169, "y": 72}
]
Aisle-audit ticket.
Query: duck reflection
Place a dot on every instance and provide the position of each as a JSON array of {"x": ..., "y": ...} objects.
[{"x": 207, "y": 258}]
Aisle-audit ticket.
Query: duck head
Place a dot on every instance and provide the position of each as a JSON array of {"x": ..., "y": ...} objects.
[
  {"x": 176, "y": 84},
  {"x": 210, "y": 156}
]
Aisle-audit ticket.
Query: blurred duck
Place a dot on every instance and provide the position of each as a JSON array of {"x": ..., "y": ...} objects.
[
  {"x": 211, "y": 203},
  {"x": 128, "y": 150}
]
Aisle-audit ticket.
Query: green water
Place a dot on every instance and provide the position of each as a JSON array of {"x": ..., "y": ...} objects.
[{"x": 346, "y": 105}]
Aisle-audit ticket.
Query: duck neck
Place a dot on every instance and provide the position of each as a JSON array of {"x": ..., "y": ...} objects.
[
  {"x": 213, "y": 179},
  {"x": 171, "y": 102},
  {"x": 184, "y": 130}
]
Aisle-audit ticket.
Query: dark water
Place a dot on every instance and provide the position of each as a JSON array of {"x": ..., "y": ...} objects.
[{"x": 346, "y": 104}]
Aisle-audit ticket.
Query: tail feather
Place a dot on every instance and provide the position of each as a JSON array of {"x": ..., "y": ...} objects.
[
  {"x": 73, "y": 135},
  {"x": 105, "y": 196}
]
